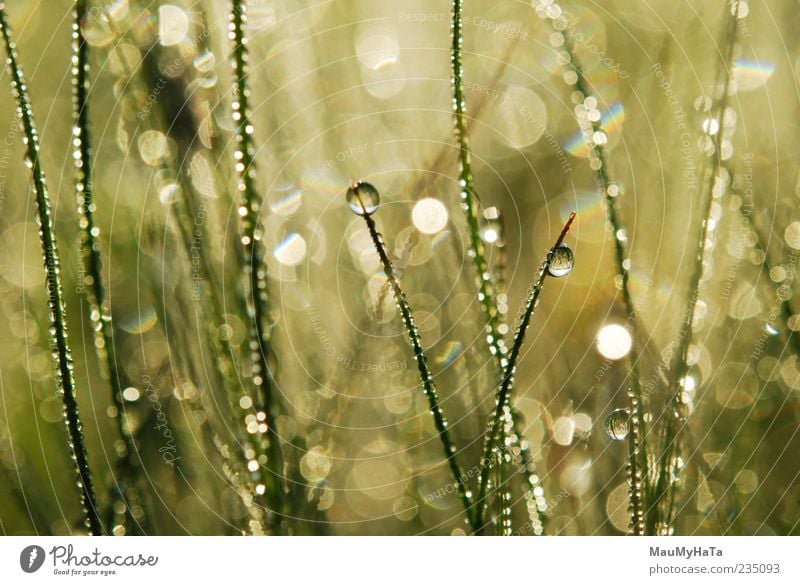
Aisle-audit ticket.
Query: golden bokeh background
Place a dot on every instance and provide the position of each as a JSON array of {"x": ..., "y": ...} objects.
[{"x": 356, "y": 89}]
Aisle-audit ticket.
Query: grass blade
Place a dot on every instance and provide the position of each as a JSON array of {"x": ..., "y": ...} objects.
[
  {"x": 486, "y": 290},
  {"x": 660, "y": 516},
  {"x": 254, "y": 265},
  {"x": 99, "y": 312},
  {"x": 62, "y": 355},
  {"x": 599, "y": 161},
  {"x": 486, "y": 293},
  {"x": 502, "y": 411},
  {"x": 425, "y": 376}
]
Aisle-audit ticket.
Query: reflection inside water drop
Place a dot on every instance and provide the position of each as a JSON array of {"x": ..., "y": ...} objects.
[
  {"x": 363, "y": 198},
  {"x": 562, "y": 261},
  {"x": 618, "y": 424}
]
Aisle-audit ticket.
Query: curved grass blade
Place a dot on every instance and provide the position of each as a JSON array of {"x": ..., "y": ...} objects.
[
  {"x": 99, "y": 312},
  {"x": 637, "y": 446},
  {"x": 486, "y": 293},
  {"x": 426, "y": 378},
  {"x": 486, "y": 290},
  {"x": 599, "y": 161},
  {"x": 502, "y": 412},
  {"x": 254, "y": 266},
  {"x": 660, "y": 514},
  {"x": 57, "y": 312}
]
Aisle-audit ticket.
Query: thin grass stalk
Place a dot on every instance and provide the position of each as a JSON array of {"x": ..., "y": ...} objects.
[
  {"x": 502, "y": 412},
  {"x": 599, "y": 159},
  {"x": 426, "y": 378},
  {"x": 535, "y": 503},
  {"x": 486, "y": 294},
  {"x": 486, "y": 290},
  {"x": 505, "y": 521},
  {"x": 256, "y": 300},
  {"x": 57, "y": 313},
  {"x": 660, "y": 513},
  {"x": 516, "y": 449},
  {"x": 504, "y": 458},
  {"x": 637, "y": 438},
  {"x": 99, "y": 313}
]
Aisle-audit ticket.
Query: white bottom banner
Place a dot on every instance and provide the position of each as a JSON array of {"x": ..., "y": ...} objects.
[{"x": 370, "y": 560}]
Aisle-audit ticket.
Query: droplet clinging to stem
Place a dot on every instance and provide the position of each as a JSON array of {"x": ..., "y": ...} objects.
[
  {"x": 363, "y": 198},
  {"x": 562, "y": 262},
  {"x": 618, "y": 424}
]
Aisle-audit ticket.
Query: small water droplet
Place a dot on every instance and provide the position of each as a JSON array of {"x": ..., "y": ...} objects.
[
  {"x": 562, "y": 262},
  {"x": 363, "y": 198},
  {"x": 664, "y": 529},
  {"x": 491, "y": 229},
  {"x": 618, "y": 424}
]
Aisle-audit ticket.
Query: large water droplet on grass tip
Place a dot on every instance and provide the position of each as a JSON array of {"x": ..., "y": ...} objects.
[
  {"x": 618, "y": 424},
  {"x": 562, "y": 262},
  {"x": 363, "y": 198}
]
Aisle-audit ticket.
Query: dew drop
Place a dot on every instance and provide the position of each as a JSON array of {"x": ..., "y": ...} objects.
[
  {"x": 490, "y": 232},
  {"x": 664, "y": 529},
  {"x": 618, "y": 424},
  {"x": 562, "y": 262},
  {"x": 363, "y": 198},
  {"x": 491, "y": 228}
]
